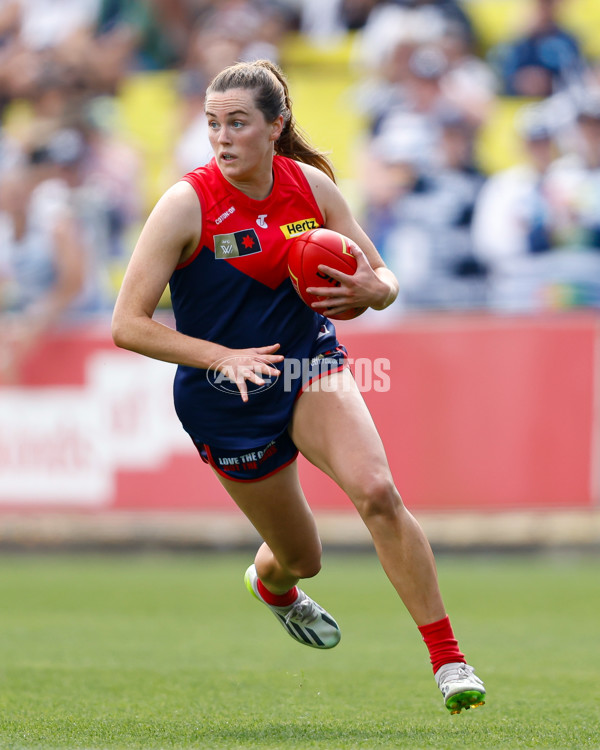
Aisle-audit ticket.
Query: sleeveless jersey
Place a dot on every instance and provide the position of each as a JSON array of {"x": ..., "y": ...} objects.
[{"x": 235, "y": 290}]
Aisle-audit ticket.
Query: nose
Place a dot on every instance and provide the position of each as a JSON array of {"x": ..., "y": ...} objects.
[{"x": 223, "y": 136}]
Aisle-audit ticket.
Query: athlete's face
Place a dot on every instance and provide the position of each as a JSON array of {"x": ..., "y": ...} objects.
[{"x": 240, "y": 136}]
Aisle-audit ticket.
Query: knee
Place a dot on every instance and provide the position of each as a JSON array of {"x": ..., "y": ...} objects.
[
  {"x": 304, "y": 562},
  {"x": 376, "y": 497},
  {"x": 285, "y": 562},
  {"x": 304, "y": 568}
]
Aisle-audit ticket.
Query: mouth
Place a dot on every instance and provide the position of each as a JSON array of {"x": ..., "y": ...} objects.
[{"x": 227, "y": 157}]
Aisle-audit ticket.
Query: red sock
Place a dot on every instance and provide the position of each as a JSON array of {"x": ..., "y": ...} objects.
[
  {"x": 442, "y": 645},
  {"x": 277, "y": 600}
]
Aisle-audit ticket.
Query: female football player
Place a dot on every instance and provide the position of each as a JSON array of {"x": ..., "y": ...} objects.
[{"x": 219, "y": 238}]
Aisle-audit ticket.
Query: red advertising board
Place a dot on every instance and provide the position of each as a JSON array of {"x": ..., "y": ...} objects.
[{"x": 476, "y": 413}]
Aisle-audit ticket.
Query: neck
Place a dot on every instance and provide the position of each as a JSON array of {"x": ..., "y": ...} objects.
[
  {"x": 258, "y": 191},
  {"x": 257, "y": 184}
]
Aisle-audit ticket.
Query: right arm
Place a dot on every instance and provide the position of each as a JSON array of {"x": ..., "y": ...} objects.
[{"x": 170, "y": 235}]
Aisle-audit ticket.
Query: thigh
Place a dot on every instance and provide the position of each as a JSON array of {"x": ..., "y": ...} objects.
[
  {"x": 333, "y": 428},
  {"x": 278, "y": 510}
]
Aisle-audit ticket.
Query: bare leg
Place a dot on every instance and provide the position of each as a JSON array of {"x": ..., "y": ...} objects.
[
  {"x": 333, "y": 428},
  {"x": 278, "y": 510}
]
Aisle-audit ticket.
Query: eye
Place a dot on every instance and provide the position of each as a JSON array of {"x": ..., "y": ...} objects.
[
  {"x": 213, "y": 125},
  {"x": 238, "y": 124}
]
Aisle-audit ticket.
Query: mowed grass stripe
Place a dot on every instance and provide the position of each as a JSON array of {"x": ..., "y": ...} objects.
[{"x": 172, "y": 652}]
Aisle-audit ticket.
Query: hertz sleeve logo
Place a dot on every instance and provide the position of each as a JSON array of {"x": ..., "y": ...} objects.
[
  {"x": 294, "y": 228},
  {"x": 236, "y": 244}
]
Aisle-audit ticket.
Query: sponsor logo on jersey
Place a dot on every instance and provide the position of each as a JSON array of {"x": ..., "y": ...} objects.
[
  {"x": 294, "y": 228},
  {"x": 262, "y": 221},
  {"x": 236, "y": 244},
  {"x": 224, "y": 215}
]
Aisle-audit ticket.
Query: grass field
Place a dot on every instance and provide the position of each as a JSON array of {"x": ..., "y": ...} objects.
[{"x": 171, "y": 652}]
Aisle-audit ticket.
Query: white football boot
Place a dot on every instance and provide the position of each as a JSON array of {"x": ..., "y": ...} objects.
[
  {"x": 304, "y": 620},
  {"x": 460, "y": 686}
]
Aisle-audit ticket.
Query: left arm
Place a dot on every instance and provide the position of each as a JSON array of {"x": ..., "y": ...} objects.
[{"x": 373, "y": 284}]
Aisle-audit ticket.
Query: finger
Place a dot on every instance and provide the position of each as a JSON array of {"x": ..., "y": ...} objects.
[
  {"x": 334, "y": 273},
  {"x": 357, "y": 252},
  {"x": 325, "y": 291},
  {"x": 265, "y": 364},
  {"x": 337, "y": 309},
  {"x": 242, "y": 388},
  {"x": 255, "y": 372},
  {"x": 248, "y": 372},
  {"x": 268, "y": 349},
  {"x": 265, "y": 369},
  {"x": 266, "y": 359},
  {"x": 325, "y": 304}
]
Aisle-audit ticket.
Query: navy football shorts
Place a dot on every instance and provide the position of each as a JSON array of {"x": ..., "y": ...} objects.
[
  {"x": 250, "y": 464},
  {"x": 253, "y": 464}
]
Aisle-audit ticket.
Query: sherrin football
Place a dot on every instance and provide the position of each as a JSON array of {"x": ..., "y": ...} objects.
[{"x": 321, "y": 247}]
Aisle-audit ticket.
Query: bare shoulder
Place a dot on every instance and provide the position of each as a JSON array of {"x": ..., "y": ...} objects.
[
  {"x": 175, "y": 222},
  {"x": 179, "y": 202},
  {"x": 326, "y": 192},
  {"x": 317, "y": 179},
  {"x": 337, "y": 212}
]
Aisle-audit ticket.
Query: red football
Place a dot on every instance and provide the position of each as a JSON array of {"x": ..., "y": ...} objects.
[{"x": 321, "y": 247}]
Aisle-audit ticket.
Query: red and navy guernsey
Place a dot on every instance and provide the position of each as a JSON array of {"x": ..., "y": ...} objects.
[{"x": 235, "y": 290}]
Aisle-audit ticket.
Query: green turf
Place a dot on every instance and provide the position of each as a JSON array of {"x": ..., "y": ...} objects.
[{"x": 172, "y": 652}]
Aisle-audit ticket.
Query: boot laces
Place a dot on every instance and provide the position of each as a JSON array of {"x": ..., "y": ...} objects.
[
  {"x": 459, "y": 672},
  {"x": 304, "y": 612}
]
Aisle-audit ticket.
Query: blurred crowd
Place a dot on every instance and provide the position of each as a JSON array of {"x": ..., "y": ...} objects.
[{"x": 524, "y": 238}]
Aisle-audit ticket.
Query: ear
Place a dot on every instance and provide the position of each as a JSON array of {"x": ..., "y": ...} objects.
[{"x": 277, "y": 128}]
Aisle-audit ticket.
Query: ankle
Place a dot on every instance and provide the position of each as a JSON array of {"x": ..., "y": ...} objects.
[
  {"x": 441, "y": 643},
  {"x": 277, "y": 600}
]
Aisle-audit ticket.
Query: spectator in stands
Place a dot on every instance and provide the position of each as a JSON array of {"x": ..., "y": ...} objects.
[
  {"x": 422, "y": 93},
  {"x": 425, "y": 97},
  {"x": 528, "y": 215},
  {"x": 512, "y": 214},
  {"x": 574, "y": 184},
  {"x": 588, "y": 127},
  {"x": 382, "y": 57},
  {"x": 409, "y": 21},
  {"x": 321, "y": 20},
  {"x": 416, "y": 79},
  {"x": 192, "y": 148},
  {"x": 258, "y": 27},
  {"x": 448, "y": 11},
  {"x": 60, "y": 201},
  {"x": 9, "y": 18},
  {"x": 469, "y": 83},
  {"x": 98, "y": 42},
  {"x": 419, "y": 210},
  {"x": 546, "y": 58},
  {"x": 56, "y": 24},
  {"x": 108, "y": 182},
  {"x": 47, "y": 35},
  {"x": 354, "y": 14},
  {"x": 132, "y": 35},
  {"x": 11, "y": 153},
  {"x": 42, "y": 266}
]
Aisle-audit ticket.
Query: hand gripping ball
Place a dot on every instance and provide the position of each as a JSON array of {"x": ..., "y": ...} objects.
[{"x": 321, "y": 247}]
